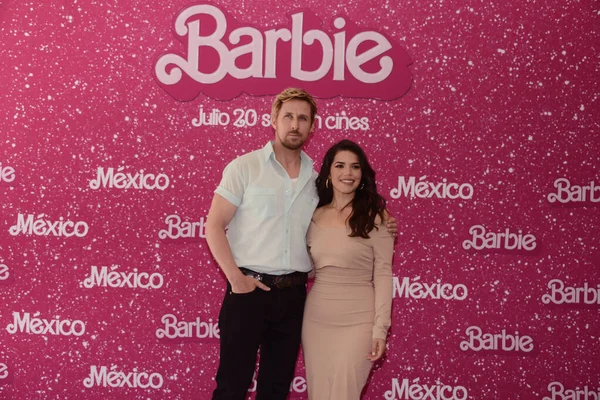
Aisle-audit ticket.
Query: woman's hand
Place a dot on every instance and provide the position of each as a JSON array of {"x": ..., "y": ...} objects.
[{"x": 377, "y": 350}]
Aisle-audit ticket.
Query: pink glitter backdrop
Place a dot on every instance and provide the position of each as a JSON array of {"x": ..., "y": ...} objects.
[{"x": 501, "y": 100}]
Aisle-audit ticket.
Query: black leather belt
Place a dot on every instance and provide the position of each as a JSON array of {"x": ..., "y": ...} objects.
[{"x": 278, "y": 281}]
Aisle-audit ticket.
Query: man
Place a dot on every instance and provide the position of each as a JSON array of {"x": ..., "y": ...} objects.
[{"x": 266, "y": 198}]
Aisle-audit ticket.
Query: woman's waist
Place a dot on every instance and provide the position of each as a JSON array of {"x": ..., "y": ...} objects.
[
  {"x": 334, "y": 309},
  {"x": 348, "y": 293},
  {"x": 343, "y": 276}
]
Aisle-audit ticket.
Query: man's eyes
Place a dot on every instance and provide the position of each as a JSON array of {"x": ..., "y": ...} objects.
[{"x": 303, "y": 118}]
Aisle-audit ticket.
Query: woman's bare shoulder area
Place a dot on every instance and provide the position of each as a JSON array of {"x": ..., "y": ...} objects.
[{"x": 318, "y": 214}]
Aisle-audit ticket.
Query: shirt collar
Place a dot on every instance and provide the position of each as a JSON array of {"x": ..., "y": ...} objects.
[{"x": 268, "y": 151}]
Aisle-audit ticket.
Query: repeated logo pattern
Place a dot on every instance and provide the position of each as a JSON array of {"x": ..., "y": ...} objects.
[{"x": 119, "y": 122}]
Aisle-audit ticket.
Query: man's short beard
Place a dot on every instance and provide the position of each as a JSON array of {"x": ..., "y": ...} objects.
[{"x": 290, "y": 146}]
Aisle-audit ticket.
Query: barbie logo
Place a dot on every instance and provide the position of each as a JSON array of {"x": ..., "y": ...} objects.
[
  {"x": 558, "y": 392},
  {"x": 561, "y": 294},
  {"x": 567, "y": 193},
  {"x": 7, "y": 174},
  {"x": 187, "y": 329},
  {"x": 4, "y": 272},
  {"x": 507, "y": 240},
  {"x": 343, "y": 60},
  {"x": 3, "y": 371},
  {"x": 177, "y": 229},
  {"x": 479, "y": 341},
  {"x": 297, "y": 386}
]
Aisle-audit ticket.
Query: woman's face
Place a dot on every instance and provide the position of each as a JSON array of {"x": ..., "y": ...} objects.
[{"x": 345, "y": 172}]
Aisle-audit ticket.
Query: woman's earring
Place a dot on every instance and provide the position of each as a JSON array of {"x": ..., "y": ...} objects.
[
  {"x": 327, "y": 183},
  {"x": 362, "y": 186}
]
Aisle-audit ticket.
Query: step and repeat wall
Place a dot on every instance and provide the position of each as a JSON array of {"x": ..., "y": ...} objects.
[{"x": 480, "y": 118}]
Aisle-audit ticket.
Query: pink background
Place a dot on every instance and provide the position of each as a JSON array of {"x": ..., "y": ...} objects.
[{"x": 504, "y": 97}]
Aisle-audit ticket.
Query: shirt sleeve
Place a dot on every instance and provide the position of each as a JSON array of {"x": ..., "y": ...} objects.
[
  {"x": 383, "y": 251},
  {"x": 233, "y": 184}
]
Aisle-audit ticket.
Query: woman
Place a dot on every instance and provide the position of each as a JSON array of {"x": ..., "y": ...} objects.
[{"x": 347, "y": 312}]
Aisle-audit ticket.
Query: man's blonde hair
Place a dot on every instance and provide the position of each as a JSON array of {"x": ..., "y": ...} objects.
[{"x": 293, "y": 94}]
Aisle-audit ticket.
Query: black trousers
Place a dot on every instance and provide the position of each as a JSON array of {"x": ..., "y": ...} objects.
[{"x": 269, "y": 320}]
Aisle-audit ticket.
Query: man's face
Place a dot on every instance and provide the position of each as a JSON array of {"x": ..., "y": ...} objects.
[{"x": 293, "y": 124}]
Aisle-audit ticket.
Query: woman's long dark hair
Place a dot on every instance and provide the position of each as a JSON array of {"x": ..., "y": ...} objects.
[{"x": 367, "y": 203}]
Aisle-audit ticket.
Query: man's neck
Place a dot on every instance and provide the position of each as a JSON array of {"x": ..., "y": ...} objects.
[{"x": 289, "y": 159}]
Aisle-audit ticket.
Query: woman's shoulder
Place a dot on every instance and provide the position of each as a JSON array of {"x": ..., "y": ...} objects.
[{"x": 318, "y": 213}]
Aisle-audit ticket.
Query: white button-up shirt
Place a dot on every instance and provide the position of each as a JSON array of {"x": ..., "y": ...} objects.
[{"x": 267, "y": 234}]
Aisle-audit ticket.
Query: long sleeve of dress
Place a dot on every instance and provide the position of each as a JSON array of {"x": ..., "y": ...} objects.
[{"x": 383, "y": 250}]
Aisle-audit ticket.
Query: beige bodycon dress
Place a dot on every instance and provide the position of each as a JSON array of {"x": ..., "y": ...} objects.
[{"x": 348, "y": 305}]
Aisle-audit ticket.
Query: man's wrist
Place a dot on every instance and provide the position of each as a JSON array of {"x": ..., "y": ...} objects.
[{"x": 236, "y": 277}]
